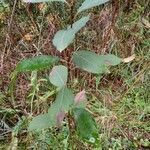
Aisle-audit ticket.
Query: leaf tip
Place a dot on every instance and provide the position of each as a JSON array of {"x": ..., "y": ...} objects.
[{"x": 80, "y": 97}]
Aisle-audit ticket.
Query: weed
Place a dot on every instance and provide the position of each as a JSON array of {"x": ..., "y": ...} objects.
[{"x": 117, "y": 97}]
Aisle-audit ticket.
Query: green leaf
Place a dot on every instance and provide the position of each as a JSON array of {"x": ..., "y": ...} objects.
[
  {"x": 56, "y": 112},
  {"x": 64, "y": 38},
  {"x": 87, "y": 4},
  {"x": 89, "y": 61},
  {"x": 58, "y": 76},
  {"x": 40, "y": 122},
  {"x": 39, "y": 1},
  {"x": 63, "y": 103},
  {"x": 110, "y": 59},
  {"x": 78, "y": 25},
  {"x": 94, "y": 63},
  {"x": 86, "y": 126},
  {"x": 36, "y": 63}
]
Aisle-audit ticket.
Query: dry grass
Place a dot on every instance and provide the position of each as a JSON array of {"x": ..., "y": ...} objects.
[{"x": 121, "y": 28}]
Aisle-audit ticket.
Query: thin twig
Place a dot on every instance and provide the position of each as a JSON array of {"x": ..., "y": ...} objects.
[{"x": 6, "y": 41}]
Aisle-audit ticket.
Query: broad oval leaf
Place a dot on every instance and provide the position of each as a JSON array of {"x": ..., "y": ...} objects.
[
  {"x": 36, "y": 63},
  {"x": 39, "y": 1},
  {"x": 87, "y": 4},
  {"x": 86, "y": 126},
  {"x": 63, "y": 102},
  {"x": 40, "y": 122},
  {"x": 64, "y": 38},
  {"x": 91, "y": 62},
  {"x": 58, "y": 76}
]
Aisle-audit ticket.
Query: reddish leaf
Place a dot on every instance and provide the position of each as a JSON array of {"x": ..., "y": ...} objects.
[
  {"x": 59, "y": 117},
  {"x": 80, "y": 97}
]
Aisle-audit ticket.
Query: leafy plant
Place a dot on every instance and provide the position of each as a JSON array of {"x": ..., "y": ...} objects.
[
  {"x": 63, "y": 38},
  {"x": 66, "y": 103},
  {"x": 86, "y": 126}
]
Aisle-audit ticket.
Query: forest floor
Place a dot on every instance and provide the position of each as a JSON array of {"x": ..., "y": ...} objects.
[{"x": 121, "y": 101}]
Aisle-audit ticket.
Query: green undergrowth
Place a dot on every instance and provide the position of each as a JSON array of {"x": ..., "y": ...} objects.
[{"x": 120, "y": 103}]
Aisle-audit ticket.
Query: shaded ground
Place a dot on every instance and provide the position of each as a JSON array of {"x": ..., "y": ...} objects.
[{"x": 121, "y": 101}]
